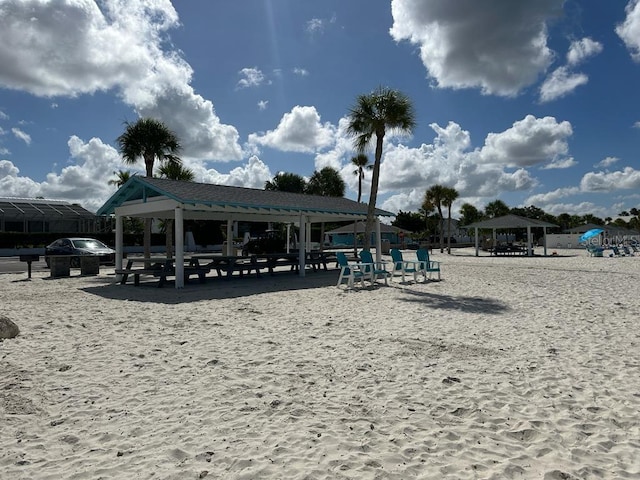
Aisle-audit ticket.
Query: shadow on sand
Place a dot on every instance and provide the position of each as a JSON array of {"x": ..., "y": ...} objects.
[
  {"x": 460, "y": 304},
  {"x": 213, "y": 289}
]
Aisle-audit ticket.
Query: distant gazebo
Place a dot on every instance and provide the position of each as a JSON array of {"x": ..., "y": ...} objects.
[{"x": 512, "y": 222}]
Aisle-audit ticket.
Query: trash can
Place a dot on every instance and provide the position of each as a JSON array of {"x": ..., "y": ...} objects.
[
  {"x": 60, "y": 266},
  {"x": 89, "y": 265},
  {"x": 385, "y": 246}
]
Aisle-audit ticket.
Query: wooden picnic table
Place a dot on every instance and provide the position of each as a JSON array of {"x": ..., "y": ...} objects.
[
  {"x": 226, "y": 264},
  {"x": 160, "y": 267}
]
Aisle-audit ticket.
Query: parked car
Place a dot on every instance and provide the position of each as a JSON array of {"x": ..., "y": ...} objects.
[{"x": 77, "y": 247}]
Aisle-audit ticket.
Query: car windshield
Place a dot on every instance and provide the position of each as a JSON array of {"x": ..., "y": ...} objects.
[{"x": 89, "y": 244}]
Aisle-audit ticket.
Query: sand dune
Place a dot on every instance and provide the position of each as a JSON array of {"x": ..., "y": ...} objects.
[{"x": 509, "y": 368}]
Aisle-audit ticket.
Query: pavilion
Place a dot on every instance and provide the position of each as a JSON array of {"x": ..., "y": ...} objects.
[
  {"x": 146, "y": 197},
  {"x": 512, "y": 222}
]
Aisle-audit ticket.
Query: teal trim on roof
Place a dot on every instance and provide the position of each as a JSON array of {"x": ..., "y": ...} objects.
[{"x": 210, "y": 195}]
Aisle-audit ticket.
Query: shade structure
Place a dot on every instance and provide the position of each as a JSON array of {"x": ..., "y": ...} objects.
[
  {"x": 148, "y": 197},
  {"x": 594, "y": 232}
]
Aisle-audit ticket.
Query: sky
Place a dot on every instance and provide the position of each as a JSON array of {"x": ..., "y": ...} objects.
[{"x": 534, "y": 102}]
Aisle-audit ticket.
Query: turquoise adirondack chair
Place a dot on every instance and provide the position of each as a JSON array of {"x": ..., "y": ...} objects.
[
  {"x": 375, "y": 269},
  {"x": 427, "y": 266},
  {"x": 349, "y": 271},
  {"x": 403, "y": 266}
]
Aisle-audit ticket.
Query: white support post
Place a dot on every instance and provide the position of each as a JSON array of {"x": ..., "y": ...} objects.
[
  {"x": 229, "y": 237},
  {"x": 378, "y": 241},
  {"x": 288, "y": 237},
  {"x": 302, "y": 245},
  {"x": 179, "y": 262},
  {"x": 119, "y": 244},
  {"x": 477, "y": 243}
]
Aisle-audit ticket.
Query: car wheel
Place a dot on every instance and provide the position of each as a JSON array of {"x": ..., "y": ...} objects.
[{"x": 75, "y": 262}]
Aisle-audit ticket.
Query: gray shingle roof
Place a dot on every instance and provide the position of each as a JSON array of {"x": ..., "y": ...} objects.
[
  {"x": 510, "y": 221},
  {"x": 208, "y": 194}
]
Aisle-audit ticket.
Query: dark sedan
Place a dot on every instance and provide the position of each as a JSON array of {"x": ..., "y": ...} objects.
[{"x": 77, "y": 247}]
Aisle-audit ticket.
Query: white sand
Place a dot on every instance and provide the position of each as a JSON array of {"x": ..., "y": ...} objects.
[{"x": 523, "y": 368}]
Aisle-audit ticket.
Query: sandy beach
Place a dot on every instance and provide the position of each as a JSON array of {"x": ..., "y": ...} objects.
[{"x": 509, "y": 368}]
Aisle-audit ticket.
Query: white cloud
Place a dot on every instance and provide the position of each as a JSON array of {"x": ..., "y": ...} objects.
[
  {"x": 254, "y": 174},
  {"x": 3, "y": 116},
  {"x": 560, "y": 83},
  {"x": 303, "y": 72},
  {"x": 20, "y": 135},
  {"x": 315, "y": 25},
  {"x": 582, "y": 49},
  {"x": 263, "y": 104},
  {"x": 625, "y": 179},
  {"x": 636, "y": 125},
  {"x": 560, "y": 163},
  {"x": 531, "y": 141},
  {"x": 91, "y": 166},
  {"x": 629, "y": 30},
  {"x": 551, "y": 197},
  {"x": 581, "y": 208},
  {"x": 607, "y": 162},
  {"x": 251, "y": 77},
  {"x": 457, "y": 51},
  {"x": 75, "y": 47},
  {"x": 298, "y": 131}
]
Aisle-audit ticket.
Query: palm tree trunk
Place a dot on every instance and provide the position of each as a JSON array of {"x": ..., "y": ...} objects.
[
  {"x": 449, "y": 232},
  {"x": 373, "y": 196}
]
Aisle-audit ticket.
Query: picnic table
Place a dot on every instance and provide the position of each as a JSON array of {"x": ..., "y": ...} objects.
[
  {"x": 509, "y": 250},
  {"x": 160, "y": 267},
  {"x": 225, "y": 265}
]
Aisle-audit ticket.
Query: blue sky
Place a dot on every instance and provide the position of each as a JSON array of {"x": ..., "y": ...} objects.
[{"x": 532, "y": 102}]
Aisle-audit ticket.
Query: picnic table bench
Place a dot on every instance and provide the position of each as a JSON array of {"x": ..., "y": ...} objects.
[
  {"x": 316, "y": 260},
  {"x": 158, "y": 267}
]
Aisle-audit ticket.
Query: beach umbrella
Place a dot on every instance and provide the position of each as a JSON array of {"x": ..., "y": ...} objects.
[{"x": 594, "y": 232}]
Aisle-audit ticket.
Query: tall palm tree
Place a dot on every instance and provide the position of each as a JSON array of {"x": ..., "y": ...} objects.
[
  {"x": 122, "y": 176},
  {"x": 150, "y": 140},
  {"x": 372, "y": 115},
  {"x": 173, "y": 171},
  {"x": 450, "y": 196},
  {"x": 361, "y": 162},
  {"x": 435, "y": 196}
]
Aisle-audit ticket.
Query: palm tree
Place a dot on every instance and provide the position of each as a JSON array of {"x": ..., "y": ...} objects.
[
  {"x": 150, "y": 140},
  {"x": 122, "y": 176},
  {"x": 361, "y": 162},
  {"x": 450, "y": 196},
  {"x": 326, "y": 182},
  {"x": 130, "y": 224},
  {"x": 173, "y": 171},
  {"x": 372, "y": 115},
  {"x": 497, "y": 208},
  {"x": 435, "y": 196},
  {"x": 286, "y": 182}
]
